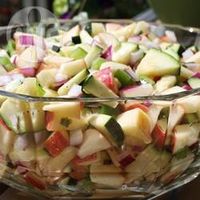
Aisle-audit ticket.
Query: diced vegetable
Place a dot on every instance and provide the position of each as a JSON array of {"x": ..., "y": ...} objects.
[{"x": 157, "y": 63}]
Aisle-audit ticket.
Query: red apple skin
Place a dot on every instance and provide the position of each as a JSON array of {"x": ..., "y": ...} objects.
[
  {"x": 35, "y": 180},
  {"x": 59, "y": 83},
  {"x": 130, "y": 106},
  {"x": 79, "y": 172},
  {"x": 158, "y": 136},
  {"x": 2, "y": 123},
  {"x": 173, "y": 143},
  {"x": 81, "y": 161},
  {"x": 56, "y": 143},
  {"x": 28, "y": 72},
  {"x": 106, "y": 77},
  {"x": 126, "y": 161}
]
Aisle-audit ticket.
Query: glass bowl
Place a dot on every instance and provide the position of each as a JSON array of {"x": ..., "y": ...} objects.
[{"x": 156, "y": 171}]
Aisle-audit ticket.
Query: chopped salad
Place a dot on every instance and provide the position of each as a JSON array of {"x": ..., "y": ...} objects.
[{"x": 98, "y": 144}]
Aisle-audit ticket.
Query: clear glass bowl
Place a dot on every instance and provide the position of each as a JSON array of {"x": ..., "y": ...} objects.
[{"x": 151, "y": 183}]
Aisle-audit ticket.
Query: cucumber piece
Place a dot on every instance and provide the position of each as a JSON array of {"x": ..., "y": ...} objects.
[
  {"x": 2, "y": 70},
  {"x": 10, "y": 47},
  {"x": 124, "y": 78},
  {"x": 182, "y": 153},
  {"x": 70, "y": 69},
  {"x": 88, "y": 28},
  {"x": 77, "y": 79},
  {"x": 164, "y": 114},
  {"x": 78, "y": 53},
  {"x": 16, "y": 116},
  {"x": 109, "y": 127},
  {"x": 5, "y": 62},
  {"x": 147, "y": 80},
  {"x": 86, "y": 37},
  {"x": 92, "y": 55},
  {"x": 107, "y": 110},
  {"x": 67, "y": 50},
  {"x": 55, "y": 48},
  {"x": 165, "y": 83},
  {"x": 172, "y": 53},
  {"x": 85, "y": 47},
  {"x": 175, "y": 47},
  {"x": 190, "y": 118},
  {"x": 186, "y": 73},
  {"x": 96, "y": 64},
  {"x": 123, "y": 54},
  {"x": 97, "y": 28},
  {"x": 194, "y": 82},
  {"x": 76, "y": 39},
  {"x": 157, "y": 63},
  {"x": 98, "y": 89}
]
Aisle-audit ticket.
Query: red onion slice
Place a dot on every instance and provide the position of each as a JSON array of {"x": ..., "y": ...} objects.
[
  {"x": 28, "y": 71},
  {"x": 26, "y": 40},
  {"x": 107, "y": 54}
]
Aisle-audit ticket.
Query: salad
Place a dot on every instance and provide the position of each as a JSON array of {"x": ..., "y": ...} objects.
[{"x": 92, "y": 144}]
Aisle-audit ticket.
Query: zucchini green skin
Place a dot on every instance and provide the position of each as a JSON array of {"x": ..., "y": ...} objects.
[
  {"x": 109, "y": 127},
  {"x": 92, "y": 86},
  {"x": 115, "y": 131}
]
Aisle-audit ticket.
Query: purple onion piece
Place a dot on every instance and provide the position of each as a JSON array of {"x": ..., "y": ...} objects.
[
  {"x": 186, "y": 87},
  {"x": 107, "y": 54},
  {"x": 26, "y": 40},
  {"x": 147, "y": 103},
  {"x": 196, "y": 75}
]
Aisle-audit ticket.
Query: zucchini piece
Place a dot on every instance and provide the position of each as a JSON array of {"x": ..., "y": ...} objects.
[
  {"x": 107, "y": 110},
  {"x": 109, "y": 127},
  {"x": 165, "y": 83},
  {"x": 5, "y": 62},
  {"x": 98, "y": 89},
  {"x": 186, "y": 73},
  {"x": 77, "y": 79},
  {"x": 76, "y": 39},
  {"x": 70, "y": 69},
  {"x": 55, "y": 48},
  {"x": 86, "y": 37},
  {"x": 88, "y": 28},
  {"x": 172, "y": 53},
  {"x": 78, "y": 53},
  {"x": 157, "y": 63},
  {"x": 147, "y": 80},
  {"x": 124, "y": 78},
  {"x": 123, "y": 54},
  {"x": 10, "y": 47},
  {"x": 97, "y": 28},
  {"x": 96, "y": 64},
  {"x": 92, "y": 55},
  {"x": 190, "y": 118}
]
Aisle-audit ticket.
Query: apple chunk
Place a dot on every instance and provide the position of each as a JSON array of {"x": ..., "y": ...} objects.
[
  {"x": 185, "y": 135},
  {"x": 136, "y": 123},
  {"x": 57, "y": 164},
  {"x": 63, "y": 116},
  {"x": 106, "y": 175},
  {"x": 159, "y": 133},
  {"x": 56, "y": 143},
  {"x": 35, "y": 180},
  {"x": 93, "y": 142},
  {"x": 7, "y": 138}
]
